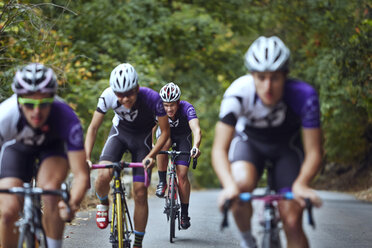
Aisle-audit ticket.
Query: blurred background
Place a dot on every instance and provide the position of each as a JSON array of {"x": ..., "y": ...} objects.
[{"x": 200, "y": 44}]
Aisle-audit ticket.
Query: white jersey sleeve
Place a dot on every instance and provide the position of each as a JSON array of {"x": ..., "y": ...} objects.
[
  {"x": 237, "y": 100},
  {"x": 107, "y": 101},
  {"x": 8, "y": 119}
]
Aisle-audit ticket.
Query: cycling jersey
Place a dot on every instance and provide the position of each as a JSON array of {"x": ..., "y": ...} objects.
[
  {"x": 185, "y": 113},
  {"x": 21, "y": 144},
  {"x": 141, "y": 117},
  {"x": 131, "y": 128},
  {"x": 242, "y": 108},
  {"x": 180, "y": 130}
]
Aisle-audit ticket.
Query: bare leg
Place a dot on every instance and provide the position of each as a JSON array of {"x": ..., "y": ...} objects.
[
  {"x": 10, "y": 206},
  {"x": 291, "y": 215},
  {"x": 140, "y": 206},
  {"x": 184, "y": 183},
  {"x": 245, "y": 175},
  {"x": 102, "y": 184},
  {"x": 52, "y": 173}
]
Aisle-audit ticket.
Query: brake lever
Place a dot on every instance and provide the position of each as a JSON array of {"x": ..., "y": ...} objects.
[
  {"x": 225, "y": 221},
  {"x": 309, "y": 207}
]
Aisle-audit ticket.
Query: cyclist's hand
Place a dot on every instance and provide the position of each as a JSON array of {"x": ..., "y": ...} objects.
[
  {"x": 228, "y": 193},
  {"x": 89, "y": 163},
  {"x": 66, "y": 214},
  {"x": 195, "y": 152},
  {"x": 148, "y": 162},
  {"x": 302, "y": 191}
]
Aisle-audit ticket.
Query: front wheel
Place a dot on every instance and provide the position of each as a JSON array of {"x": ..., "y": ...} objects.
[
  {"x": 271, "y": 240},
  {"x": 26, "y": 238},
  {"x": 119, "y": 220},
  {"x": 172, "y": 210}
]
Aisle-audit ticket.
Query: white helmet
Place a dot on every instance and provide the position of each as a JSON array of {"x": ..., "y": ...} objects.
[
  {"x": 34, "y": 77},
  {"x": 267, "y": 54},
  {"x": 123, "y": 78},
  {"x": 170, "y": 92}
]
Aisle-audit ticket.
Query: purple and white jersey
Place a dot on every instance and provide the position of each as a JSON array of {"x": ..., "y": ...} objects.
[
  {"x": 241, "y": 107},
  {"x": 141, "y": 117},
  {"x": 185, "y": 113},
  {"x": 62, "y": 124}
]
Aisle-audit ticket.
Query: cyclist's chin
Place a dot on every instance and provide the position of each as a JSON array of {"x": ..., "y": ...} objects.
[
  {"x": 270, "y": 101},
  {"x": 36, "y": 122},
  {"x": 128, "y": 105}
]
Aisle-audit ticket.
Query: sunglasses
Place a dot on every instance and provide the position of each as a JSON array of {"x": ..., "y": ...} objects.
[
  {"x": 34, "y": 103},
  {"x": 126, "y": 94}
]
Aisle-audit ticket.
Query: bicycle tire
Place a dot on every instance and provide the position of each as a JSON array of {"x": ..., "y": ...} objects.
[
  {"x": 271, "y": 240},
  {"x": 172, "y": 209},
  {"x": 127, "y": 225},
  {"x": 119, "y": 220},
  {"x": 26, "y": 238},
  {"x": 113, "y": 231}
]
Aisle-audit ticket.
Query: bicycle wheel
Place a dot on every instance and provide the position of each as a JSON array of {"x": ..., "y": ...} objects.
[
  {"x": 26, "y": 238},
  {"x": 271, "y": 240},
  {"x": 128, "y": 229},
  {"x": 172, "y": 209},
  {"x": 119, "y": 220},
  {"x": 113, "y": 230}
]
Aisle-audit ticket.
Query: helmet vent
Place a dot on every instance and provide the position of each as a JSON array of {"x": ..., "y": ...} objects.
[
  {"x": 277, "y": 57},
  {"x": 266, "y": 53}
]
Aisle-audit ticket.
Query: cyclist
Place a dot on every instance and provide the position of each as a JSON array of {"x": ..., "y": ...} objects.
[
  {"x": 261, "y": 118},
  {"x": 36, "y": 125},
  {"x": 135, "y": 110},
  {"x": 183, "y": 121}
]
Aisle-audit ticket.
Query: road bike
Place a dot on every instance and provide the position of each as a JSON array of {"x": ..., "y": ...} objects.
[
  {"x": 172, "y": 206},
  {"x": 121, "y": 227},
  {"x": 271, "y": 222},
  {"x": 31, "y": 231}
]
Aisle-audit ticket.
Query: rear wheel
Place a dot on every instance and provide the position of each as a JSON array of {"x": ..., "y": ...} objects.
[{"x": 172, "y": 209}]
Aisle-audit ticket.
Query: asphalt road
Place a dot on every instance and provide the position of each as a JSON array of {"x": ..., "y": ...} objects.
[{"x": 341, "y": 222}]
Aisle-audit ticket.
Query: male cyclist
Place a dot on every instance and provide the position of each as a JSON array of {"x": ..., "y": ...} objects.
[
  {"x": 36, "y": 125},
  {"x": 261, "y": 118},
  {"x": 183, "y": 121},
  {"x": 135, "y": 110}
]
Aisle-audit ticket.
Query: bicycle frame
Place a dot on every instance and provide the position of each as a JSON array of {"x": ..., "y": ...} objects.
[
  {"x": 30, "y": 225},
  {"x": 121, "y": 226}
]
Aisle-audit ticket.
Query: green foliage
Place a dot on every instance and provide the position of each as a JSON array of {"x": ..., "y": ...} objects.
[{"x": 199, "y": 45}]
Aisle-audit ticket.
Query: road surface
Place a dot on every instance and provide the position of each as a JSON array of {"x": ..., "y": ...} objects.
[{"x": 342, "y": 222}]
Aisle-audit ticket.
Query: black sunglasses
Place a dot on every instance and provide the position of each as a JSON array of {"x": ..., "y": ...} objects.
[{"x": 126, "y": 94}]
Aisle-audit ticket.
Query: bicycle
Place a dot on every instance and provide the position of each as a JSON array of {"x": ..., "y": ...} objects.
[
  {"x": 172, "y": 206},
  {"x": 271, "y": 223},
  {"x": 121, "y": 227},
  {"x": 31, "y": 231}
]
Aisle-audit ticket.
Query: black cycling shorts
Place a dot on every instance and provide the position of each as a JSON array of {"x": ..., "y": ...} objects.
[
  {"x": 182, "y": 143},
  {"x": 19, "y": 160},
  {"x": 119, "y": 141},
  {"x": 285, "y": 156}
]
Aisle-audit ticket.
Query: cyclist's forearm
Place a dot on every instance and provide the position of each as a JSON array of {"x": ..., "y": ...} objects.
[
  {"x": 197, "y": 138},
  {"x": 158, "y": 145},
  {"x": 80, "y": 185},
  {"x": 309, "y": 168},
  {"x": 221, "y": 166},
  {"x": 89, "y": 141},
  {"x": 81, "y": 179},
  {"x": 196, "y": 132}
]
